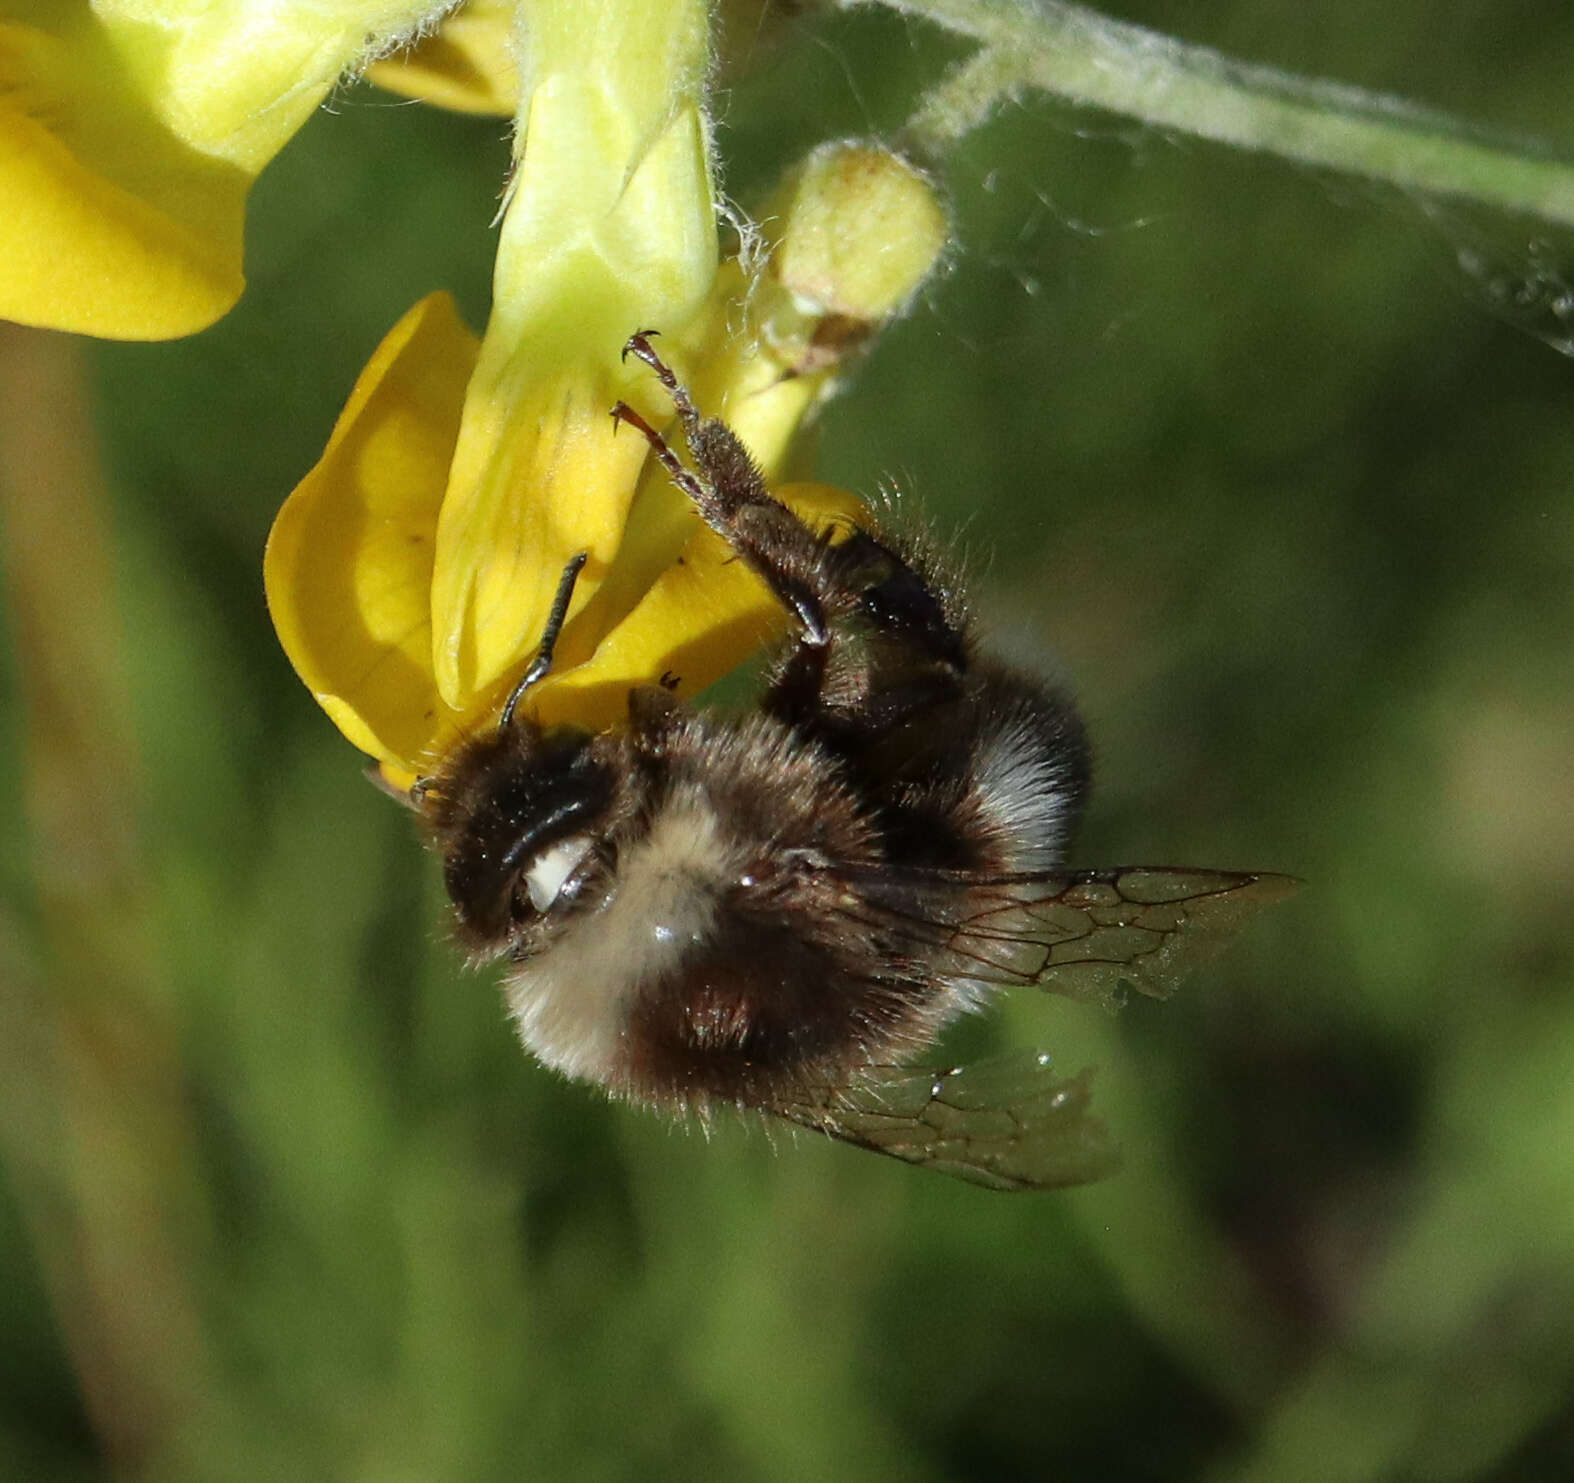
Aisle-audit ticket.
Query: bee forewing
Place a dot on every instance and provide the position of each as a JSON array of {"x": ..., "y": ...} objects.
[
  {"x": 1006, "y": 1124},
  {"x": 1086, "y": 934},
  {"x": 1089, "y": 936}
]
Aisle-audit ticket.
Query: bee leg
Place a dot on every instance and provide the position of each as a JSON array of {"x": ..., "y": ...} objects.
[
  {"x": 654, "y": 712},
  {"x": 638, "y": 345},
  {"x": 813, "y": 580},
  {"x": 795, "y": 693},
  {"x": 730, "y": 494}
]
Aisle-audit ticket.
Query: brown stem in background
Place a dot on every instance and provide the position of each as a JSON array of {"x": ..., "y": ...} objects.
[{"x": 90, "y": 1112}]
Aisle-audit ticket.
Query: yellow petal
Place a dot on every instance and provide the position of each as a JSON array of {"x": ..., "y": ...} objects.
[
  {"x": 703, "y": 617},
  {"x": 467, "y": 64},
  {"x": 610, "y": 229},
  {"x": 234, "y": 79},
  {"x": 552, "y": 481},
  {"x": 112, "y": 226},
  {"x": 349, "y": 562},
  {"x": 130, "y": 135}
]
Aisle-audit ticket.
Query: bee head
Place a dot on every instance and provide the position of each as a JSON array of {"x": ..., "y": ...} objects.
[{"x": 513, "y": 815}]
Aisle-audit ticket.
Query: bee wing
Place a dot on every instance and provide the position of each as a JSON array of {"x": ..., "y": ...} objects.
[
  {"x": 1006, "y": 1124},
  {"x": 1010, "y": 1123},
  {"x": 1086, "y": 934}
]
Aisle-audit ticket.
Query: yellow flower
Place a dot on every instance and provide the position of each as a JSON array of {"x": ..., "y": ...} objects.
[
  {"x": 130, "y": 134},
  {"x": 466, "y": 64},
  {"x": 411, "y": 573},
  {"x": 352, "y": 561}
]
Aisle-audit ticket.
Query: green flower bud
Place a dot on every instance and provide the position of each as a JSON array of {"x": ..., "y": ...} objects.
[{"x": 853, "y": 232}]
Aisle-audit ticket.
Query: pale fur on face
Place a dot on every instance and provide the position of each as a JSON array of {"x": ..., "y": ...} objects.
[{"x": 571, "y": 1004}]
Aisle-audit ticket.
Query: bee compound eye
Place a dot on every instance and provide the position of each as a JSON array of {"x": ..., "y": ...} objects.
[{"x": 550, "y": 870}]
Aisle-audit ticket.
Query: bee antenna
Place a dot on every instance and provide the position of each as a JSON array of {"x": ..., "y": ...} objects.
[{"x": 541, "y": 665}]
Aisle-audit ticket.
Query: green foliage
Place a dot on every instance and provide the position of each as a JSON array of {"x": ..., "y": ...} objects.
[{"x": 1273, "y": 468}]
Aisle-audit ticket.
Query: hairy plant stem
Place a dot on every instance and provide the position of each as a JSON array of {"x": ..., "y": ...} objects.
[{"x": 1087, "y": 59}]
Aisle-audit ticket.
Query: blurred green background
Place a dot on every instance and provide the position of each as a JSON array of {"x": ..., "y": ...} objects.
[{"x": 1276, "y": 465}]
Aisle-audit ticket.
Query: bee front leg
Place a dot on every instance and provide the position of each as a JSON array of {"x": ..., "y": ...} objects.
[
  {"x": 860, "y": 579},
  {"x": 731, "y": 496}
]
